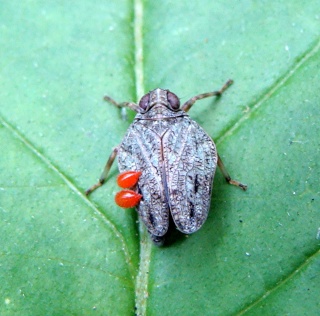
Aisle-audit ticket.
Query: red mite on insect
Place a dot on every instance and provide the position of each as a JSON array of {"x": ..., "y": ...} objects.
[
  {"x": 127, "y": 198},
  {"x": 128, "y": 179},
  {"x": 168, "y": 161}
]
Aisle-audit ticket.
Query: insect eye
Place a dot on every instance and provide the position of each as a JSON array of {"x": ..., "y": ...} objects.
[
  {"x": 144, "y": 102},
  {"x": 173, "y": 100}
]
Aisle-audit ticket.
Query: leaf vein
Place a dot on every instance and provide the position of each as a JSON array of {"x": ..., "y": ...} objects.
[
  {"x": 72, "y": 186},
  {"x": 280, "y": 284},
  {"x": 271, "y": 91}
]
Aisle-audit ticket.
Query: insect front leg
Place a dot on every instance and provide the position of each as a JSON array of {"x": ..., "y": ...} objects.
[
  {"x": 123, "y": 106},
  {"x": 186, "y": 106},
  {"x": 105, "y": 172},
  {"x": 227, "y": 176}
]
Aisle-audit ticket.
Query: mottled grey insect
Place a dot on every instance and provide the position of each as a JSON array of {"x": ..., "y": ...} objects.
[{"x": 177, "y": 161}]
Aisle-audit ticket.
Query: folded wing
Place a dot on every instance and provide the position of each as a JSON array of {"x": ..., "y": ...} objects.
[{"x": 190, "y": 159}]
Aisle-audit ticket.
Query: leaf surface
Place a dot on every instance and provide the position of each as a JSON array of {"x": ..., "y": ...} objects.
[{"x": 64, "y": 254}]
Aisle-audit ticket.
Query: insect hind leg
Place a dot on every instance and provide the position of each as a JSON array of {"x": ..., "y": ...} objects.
[{"x": 227, "y": 176}]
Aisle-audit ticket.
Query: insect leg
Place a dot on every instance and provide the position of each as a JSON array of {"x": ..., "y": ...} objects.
[
  {"x": 227, "y": 176},
  {"x": 121, "y": 105},
  {"x": 186, "y": 106},
  {"x": 105, "y": 172}
]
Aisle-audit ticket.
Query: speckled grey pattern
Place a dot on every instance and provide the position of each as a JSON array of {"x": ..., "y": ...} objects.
[{"x": 177, "y": 160}]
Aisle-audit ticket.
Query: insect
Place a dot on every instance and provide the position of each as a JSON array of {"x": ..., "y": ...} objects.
[{"x": 173, "y": 161}]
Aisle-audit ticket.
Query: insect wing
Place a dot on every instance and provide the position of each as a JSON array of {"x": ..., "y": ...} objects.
[
  {"x": 190, "y": 159},
  {"x": 140, "y": 150}
]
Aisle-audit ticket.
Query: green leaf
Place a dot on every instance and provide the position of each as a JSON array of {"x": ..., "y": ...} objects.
[{"x": 64, "y": 254}]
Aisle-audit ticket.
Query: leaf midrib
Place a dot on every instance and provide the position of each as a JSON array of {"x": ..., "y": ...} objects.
[{"x": 142, "y": 278}]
